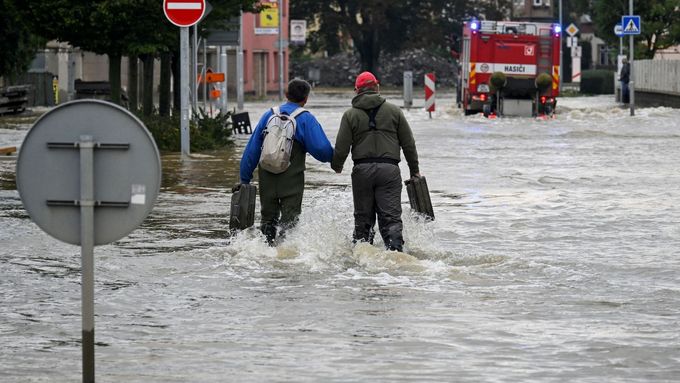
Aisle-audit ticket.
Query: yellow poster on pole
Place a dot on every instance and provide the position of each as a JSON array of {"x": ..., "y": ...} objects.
[
  {"x": 55, "y": 89},
  {"x": 269, "y": 16}
]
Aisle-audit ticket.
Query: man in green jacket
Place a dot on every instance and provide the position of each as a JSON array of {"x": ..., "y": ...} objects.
[{"x": 376, "y": 131}]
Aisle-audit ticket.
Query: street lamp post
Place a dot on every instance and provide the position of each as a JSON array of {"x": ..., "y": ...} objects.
[
  {"x": 280, "y": 49},
  {"x": 631, "y": 83},
  {"x": 561, "y": 60}
]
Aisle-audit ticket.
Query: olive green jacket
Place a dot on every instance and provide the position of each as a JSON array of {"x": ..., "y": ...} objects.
[{"x": 392, "y": 133}]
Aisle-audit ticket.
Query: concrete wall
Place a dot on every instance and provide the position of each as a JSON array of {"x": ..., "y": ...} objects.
[{"x": 657, "y": 83}]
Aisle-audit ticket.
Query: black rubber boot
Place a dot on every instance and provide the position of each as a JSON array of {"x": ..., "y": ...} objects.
[{"x": 269, "y": 231}]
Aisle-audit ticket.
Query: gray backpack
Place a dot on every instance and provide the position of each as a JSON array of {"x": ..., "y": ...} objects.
[{"x": 278, "y": 140}]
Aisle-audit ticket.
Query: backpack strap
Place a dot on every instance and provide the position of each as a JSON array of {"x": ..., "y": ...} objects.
[
  {"x": 297, "y": 112},
  {"x": 276, "y": 110},
  {"x": 371, "y": 116}
]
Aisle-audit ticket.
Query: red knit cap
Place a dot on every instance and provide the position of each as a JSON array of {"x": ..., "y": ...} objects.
[{"x": 365, "y": 79}]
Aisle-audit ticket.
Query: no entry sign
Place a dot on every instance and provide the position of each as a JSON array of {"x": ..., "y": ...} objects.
[{"x": 184, "y": 13}]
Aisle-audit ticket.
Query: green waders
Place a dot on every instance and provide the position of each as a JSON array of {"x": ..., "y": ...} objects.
[
  {"x": 281, "y": 195},
  {"x": 376, "y": 188}
]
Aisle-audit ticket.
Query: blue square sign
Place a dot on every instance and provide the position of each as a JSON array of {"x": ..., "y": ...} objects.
[{"x": 631, "y": 25}]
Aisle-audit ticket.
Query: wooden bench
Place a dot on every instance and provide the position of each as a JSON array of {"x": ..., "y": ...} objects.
[{"x": 8, "y": 150}]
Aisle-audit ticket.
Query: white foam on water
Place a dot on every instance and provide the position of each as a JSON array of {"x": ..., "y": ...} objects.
[{"x": 322, "y": 242}]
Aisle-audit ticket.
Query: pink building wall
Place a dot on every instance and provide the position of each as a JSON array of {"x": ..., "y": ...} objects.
[{"x": 263, "y": 44}]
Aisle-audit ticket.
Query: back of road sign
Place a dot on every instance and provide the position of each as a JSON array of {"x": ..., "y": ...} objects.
[{"x": 124, "y": 163}]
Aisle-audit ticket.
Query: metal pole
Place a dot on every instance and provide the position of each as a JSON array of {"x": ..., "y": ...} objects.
[
  {"x": 223, "y": 66},
  {"x": 205, "y": 75},
  {"x": 280, "y": 50},
  {"x": 408, "y": 89},
  {"x": 71, "y": 76},
  {"x": 239, "y": 66},
  {"x": 194, "y": 77},
  {"x": 185, "y": 88},
  {"x": 561, "y": 53},
  {"x": 87, "y": 252},
  {"x": 631, "y": 83}
]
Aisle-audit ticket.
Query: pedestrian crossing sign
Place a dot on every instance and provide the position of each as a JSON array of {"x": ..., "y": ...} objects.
[{"x": 631, "y": 25}]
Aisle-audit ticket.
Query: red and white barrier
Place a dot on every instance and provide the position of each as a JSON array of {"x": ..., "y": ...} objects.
[{"x": 429, "y": 92}]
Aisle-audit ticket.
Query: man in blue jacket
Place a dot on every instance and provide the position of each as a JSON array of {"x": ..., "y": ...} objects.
[{"x": 281, "y": 194}]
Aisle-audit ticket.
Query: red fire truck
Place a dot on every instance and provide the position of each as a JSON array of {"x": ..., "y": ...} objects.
[{"x": 517, "y": 53}]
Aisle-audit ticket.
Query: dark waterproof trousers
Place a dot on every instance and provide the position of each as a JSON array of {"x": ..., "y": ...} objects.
[
  {"x": 625, "y": 93},
  {"x": 376, "y": 188},
  {"x": 281, "y": 202}
]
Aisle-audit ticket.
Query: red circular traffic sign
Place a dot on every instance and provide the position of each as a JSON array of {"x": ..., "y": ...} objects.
[{"x": 184, "y": 13}]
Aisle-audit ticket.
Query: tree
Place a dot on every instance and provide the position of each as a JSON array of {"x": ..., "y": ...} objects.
[
  {"x": 380, "y": 26},
  {"x": 18, "y": 45},
  {"x": 660, "y": 23},
  {"x": 116, "y": 27}
]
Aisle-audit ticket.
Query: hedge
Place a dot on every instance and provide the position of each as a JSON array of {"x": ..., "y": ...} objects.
[{"x": 597, "y": 81}]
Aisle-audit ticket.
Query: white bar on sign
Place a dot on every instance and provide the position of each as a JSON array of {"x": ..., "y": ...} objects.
[{"x": 184, "y": 5}]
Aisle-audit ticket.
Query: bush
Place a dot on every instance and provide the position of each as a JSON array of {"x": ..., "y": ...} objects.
[
  {"x": 498, "y": 80},
  {"x": 597, "y": 81},
  {"x": 543, "y": 82},
  {"x": 211, "y": 132},
  {"x": 205, "y": 132}
]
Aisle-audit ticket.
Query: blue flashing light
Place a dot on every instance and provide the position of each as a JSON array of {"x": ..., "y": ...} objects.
[
  {"x": 557, "y": 29},
  {"x": 474, "y": 25}
]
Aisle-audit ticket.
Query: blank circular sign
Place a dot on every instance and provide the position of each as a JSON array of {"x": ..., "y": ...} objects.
[{"x": 125, "y": 163}]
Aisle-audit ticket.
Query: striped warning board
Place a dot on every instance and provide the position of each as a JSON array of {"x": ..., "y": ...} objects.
[
  {"x": 473, "y": 72},
  {"x": 556, "y": 77},
  {"x": 429, "y": 92}
]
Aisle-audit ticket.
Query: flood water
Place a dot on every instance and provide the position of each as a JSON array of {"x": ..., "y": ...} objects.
[{"x": 554, "y": 257}]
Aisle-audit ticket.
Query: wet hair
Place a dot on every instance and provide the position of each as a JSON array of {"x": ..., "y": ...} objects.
[{"x": 298, "y": 90}]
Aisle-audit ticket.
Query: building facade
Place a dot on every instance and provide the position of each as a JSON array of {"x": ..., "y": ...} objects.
[{"x": 260, "y": 44}]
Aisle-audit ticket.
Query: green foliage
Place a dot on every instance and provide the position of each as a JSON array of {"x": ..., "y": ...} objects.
[
  {"x": 388, "y": 26},
  {"x": 211, "y": 132},
  {"x": 597, "y": 81},
  {"x": 165, "y": 131},
  {"x": 660, "y": 23},
  {"x": 17, "y": 44},
  {"x": 498, "y": 80},
  {"x": 206, "y": 132},
  {"x": 543, "y": 82}
]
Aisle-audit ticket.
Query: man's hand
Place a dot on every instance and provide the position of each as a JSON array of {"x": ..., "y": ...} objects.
[
  {"x": 337, "y": 169},
  {"x": 236, "y": 187},
  {"x": 417, "y": 175}
]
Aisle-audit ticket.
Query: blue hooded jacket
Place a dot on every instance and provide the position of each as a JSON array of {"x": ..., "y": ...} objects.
[{"x": 308, "y": 133}]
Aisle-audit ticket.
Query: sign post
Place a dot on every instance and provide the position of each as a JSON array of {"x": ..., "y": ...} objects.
[
  {"x": 618, "y": 31},
  {"x": 429, "y": 93},
  {"x": 281, "y": 50},
  {"x": 184, "y": 14},
  {"x": 575, "y": 51},
  {"x": 408, "y": 89},
  {"x": 632, "y": 25},
  {"x": 88, "y": 173}
]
